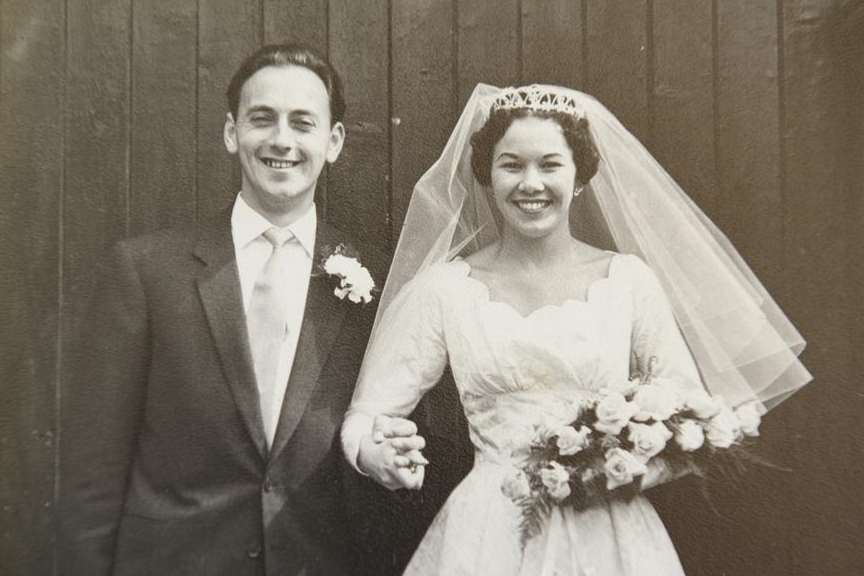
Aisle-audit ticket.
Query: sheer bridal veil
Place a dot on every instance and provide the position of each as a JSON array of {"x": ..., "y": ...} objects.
[{"x": 744, "y": 346}]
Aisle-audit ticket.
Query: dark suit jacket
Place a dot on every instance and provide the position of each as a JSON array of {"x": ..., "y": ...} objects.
[{"x": 164, "y": 467}]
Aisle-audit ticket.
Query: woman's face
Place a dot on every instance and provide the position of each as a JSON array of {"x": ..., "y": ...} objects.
[{"x": 533, "y": 177}]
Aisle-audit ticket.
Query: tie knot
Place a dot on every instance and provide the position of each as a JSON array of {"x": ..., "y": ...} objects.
[{"x": 278, "y": 236}]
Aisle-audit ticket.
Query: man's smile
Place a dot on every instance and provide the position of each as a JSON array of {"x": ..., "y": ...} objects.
[{"x": 279, "y": 164}]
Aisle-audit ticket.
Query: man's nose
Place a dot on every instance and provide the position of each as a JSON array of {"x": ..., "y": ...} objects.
[{"x": 283, "y": 135}]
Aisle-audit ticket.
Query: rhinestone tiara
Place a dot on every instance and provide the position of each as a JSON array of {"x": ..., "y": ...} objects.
[{"x": 537, "y": 98}]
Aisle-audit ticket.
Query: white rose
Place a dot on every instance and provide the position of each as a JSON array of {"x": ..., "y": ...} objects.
[
  {"x": 613, "y": 413},
  {"x": 515, "y": 485},
  {"x": 556, "y": 480},
  {"x": 749, "y": 417},
  {"x": 648, "y": 440},
  {"x": 723, "y": 429},
  {"x": 571, "y": 441},
  {"x": 702, "y": 404},
  {"x": 655, "y": 402},
  {"x": 621, "y": 467},
  {"x": 690, "y": 436}
]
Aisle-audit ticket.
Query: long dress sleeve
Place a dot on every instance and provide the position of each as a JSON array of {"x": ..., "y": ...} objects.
[
  {"x": 406, "y": 357},
  {"x": 657, "y": 342}
]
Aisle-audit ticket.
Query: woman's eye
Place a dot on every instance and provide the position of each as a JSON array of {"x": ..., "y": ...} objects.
[
  {"x": 551, "y": 165},
  {"x": 511, "y": 166}
]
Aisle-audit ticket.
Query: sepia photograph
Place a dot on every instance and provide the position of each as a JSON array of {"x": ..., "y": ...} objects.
[{"x": 431, "y": 287}]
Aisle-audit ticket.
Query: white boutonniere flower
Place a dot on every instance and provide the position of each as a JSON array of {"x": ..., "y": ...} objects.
[{"x": 354, "y": 280}]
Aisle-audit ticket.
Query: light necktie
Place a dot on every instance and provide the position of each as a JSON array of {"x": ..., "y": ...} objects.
[{"x": 266, "y": 321}]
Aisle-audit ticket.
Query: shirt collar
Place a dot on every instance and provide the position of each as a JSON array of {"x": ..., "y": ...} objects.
[{"x": 247, "y": 225}]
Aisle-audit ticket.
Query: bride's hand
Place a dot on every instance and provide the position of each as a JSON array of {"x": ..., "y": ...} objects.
[{"x": 392, "y": 455}]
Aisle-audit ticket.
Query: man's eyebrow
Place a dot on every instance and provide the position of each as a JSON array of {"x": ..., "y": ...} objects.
[
  {"x": 302, "y": 112},
  {"x": 259, "y": 108}
]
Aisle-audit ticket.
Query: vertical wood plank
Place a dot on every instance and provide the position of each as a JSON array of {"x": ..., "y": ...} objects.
[
  {"x": 683, "y": 142},
  {"x": 228, "y": 33},
  {"x": 358, "y": 186},
  {"x": 815, "y": 205},
  {"x": 97, "y": 143},
  {"x": 750, "y": 211},
  {"x": 850, "y": 56},
  {"x": 32, "y": 70},
  {"x": 302, "y": 21},
  {"x": 552, "y": 43},
  {"x": 423, "y": 94},
  {"x": 164, "y": 136},
  {"x": 488, "y": 44},
  {"x": 683, "y": 96},
  {"x": 618, "y": 60},
  {"x": 748, "y": 147}
]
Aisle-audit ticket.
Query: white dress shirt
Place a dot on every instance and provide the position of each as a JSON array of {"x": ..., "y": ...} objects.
[{"x": 252, "y": 251}]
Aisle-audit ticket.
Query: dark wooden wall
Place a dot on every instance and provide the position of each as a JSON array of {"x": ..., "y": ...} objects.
[{"x": 111, "y": 116}]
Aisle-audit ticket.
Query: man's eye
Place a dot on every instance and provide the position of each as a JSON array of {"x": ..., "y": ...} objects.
[
  {"x": 304, "y": 124},
  {"x": 259, "y": 119}
]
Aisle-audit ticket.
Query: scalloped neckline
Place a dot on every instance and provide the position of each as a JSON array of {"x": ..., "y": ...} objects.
[{"x": 567, "y": 302}]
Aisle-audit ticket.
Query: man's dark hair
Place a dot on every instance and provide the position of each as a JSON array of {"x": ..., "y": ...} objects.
[
  {"x": 576, "y": 133},
  {"x": 288, "y": 55}
]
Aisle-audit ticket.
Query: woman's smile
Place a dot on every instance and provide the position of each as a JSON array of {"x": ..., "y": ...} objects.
[{"x": 532, "y": 205}]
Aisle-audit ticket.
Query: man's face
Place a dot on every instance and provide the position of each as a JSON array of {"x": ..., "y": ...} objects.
[{"x": 282, "y": 136}]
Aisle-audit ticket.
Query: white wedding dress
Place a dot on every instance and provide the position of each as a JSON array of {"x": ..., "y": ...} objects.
[{"x": 513, "y": 371}]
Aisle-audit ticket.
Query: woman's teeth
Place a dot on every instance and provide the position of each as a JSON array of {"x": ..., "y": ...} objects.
[
  {"x": 532, "y": 205},
  {"x": 279, "y": 164}
]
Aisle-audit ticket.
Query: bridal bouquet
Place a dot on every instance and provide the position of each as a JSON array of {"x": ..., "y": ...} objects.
[{"x": 612, "y": 441}]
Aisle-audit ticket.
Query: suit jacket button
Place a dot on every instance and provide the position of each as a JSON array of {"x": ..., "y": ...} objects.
[
  {"x": 254, "y": 552},
  {"x": 268, "y": 485}
]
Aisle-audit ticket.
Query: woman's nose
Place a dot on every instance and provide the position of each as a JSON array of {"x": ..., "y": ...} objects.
[{"x": 531, "y": 181}]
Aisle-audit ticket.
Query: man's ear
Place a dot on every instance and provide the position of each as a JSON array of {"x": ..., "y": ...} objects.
[
  {"x": 336, "y": 141},
  {"x": 230, "y": 134}
]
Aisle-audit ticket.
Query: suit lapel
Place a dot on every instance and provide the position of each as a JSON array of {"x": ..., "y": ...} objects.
[
  {"x": 322, "y": 318},
  {"x": 219, "y": 288}
]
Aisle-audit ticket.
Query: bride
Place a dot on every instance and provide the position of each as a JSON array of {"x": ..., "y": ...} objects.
[{"x": 489, "y": 278}]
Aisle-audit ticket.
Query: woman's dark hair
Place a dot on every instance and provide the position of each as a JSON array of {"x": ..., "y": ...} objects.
[
  {"x": 288, "y": 55},
  {"x": 576, "y": 133}
]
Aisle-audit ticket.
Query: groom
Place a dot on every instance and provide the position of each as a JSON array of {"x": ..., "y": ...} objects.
[{"x": 200, "y": 425}]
